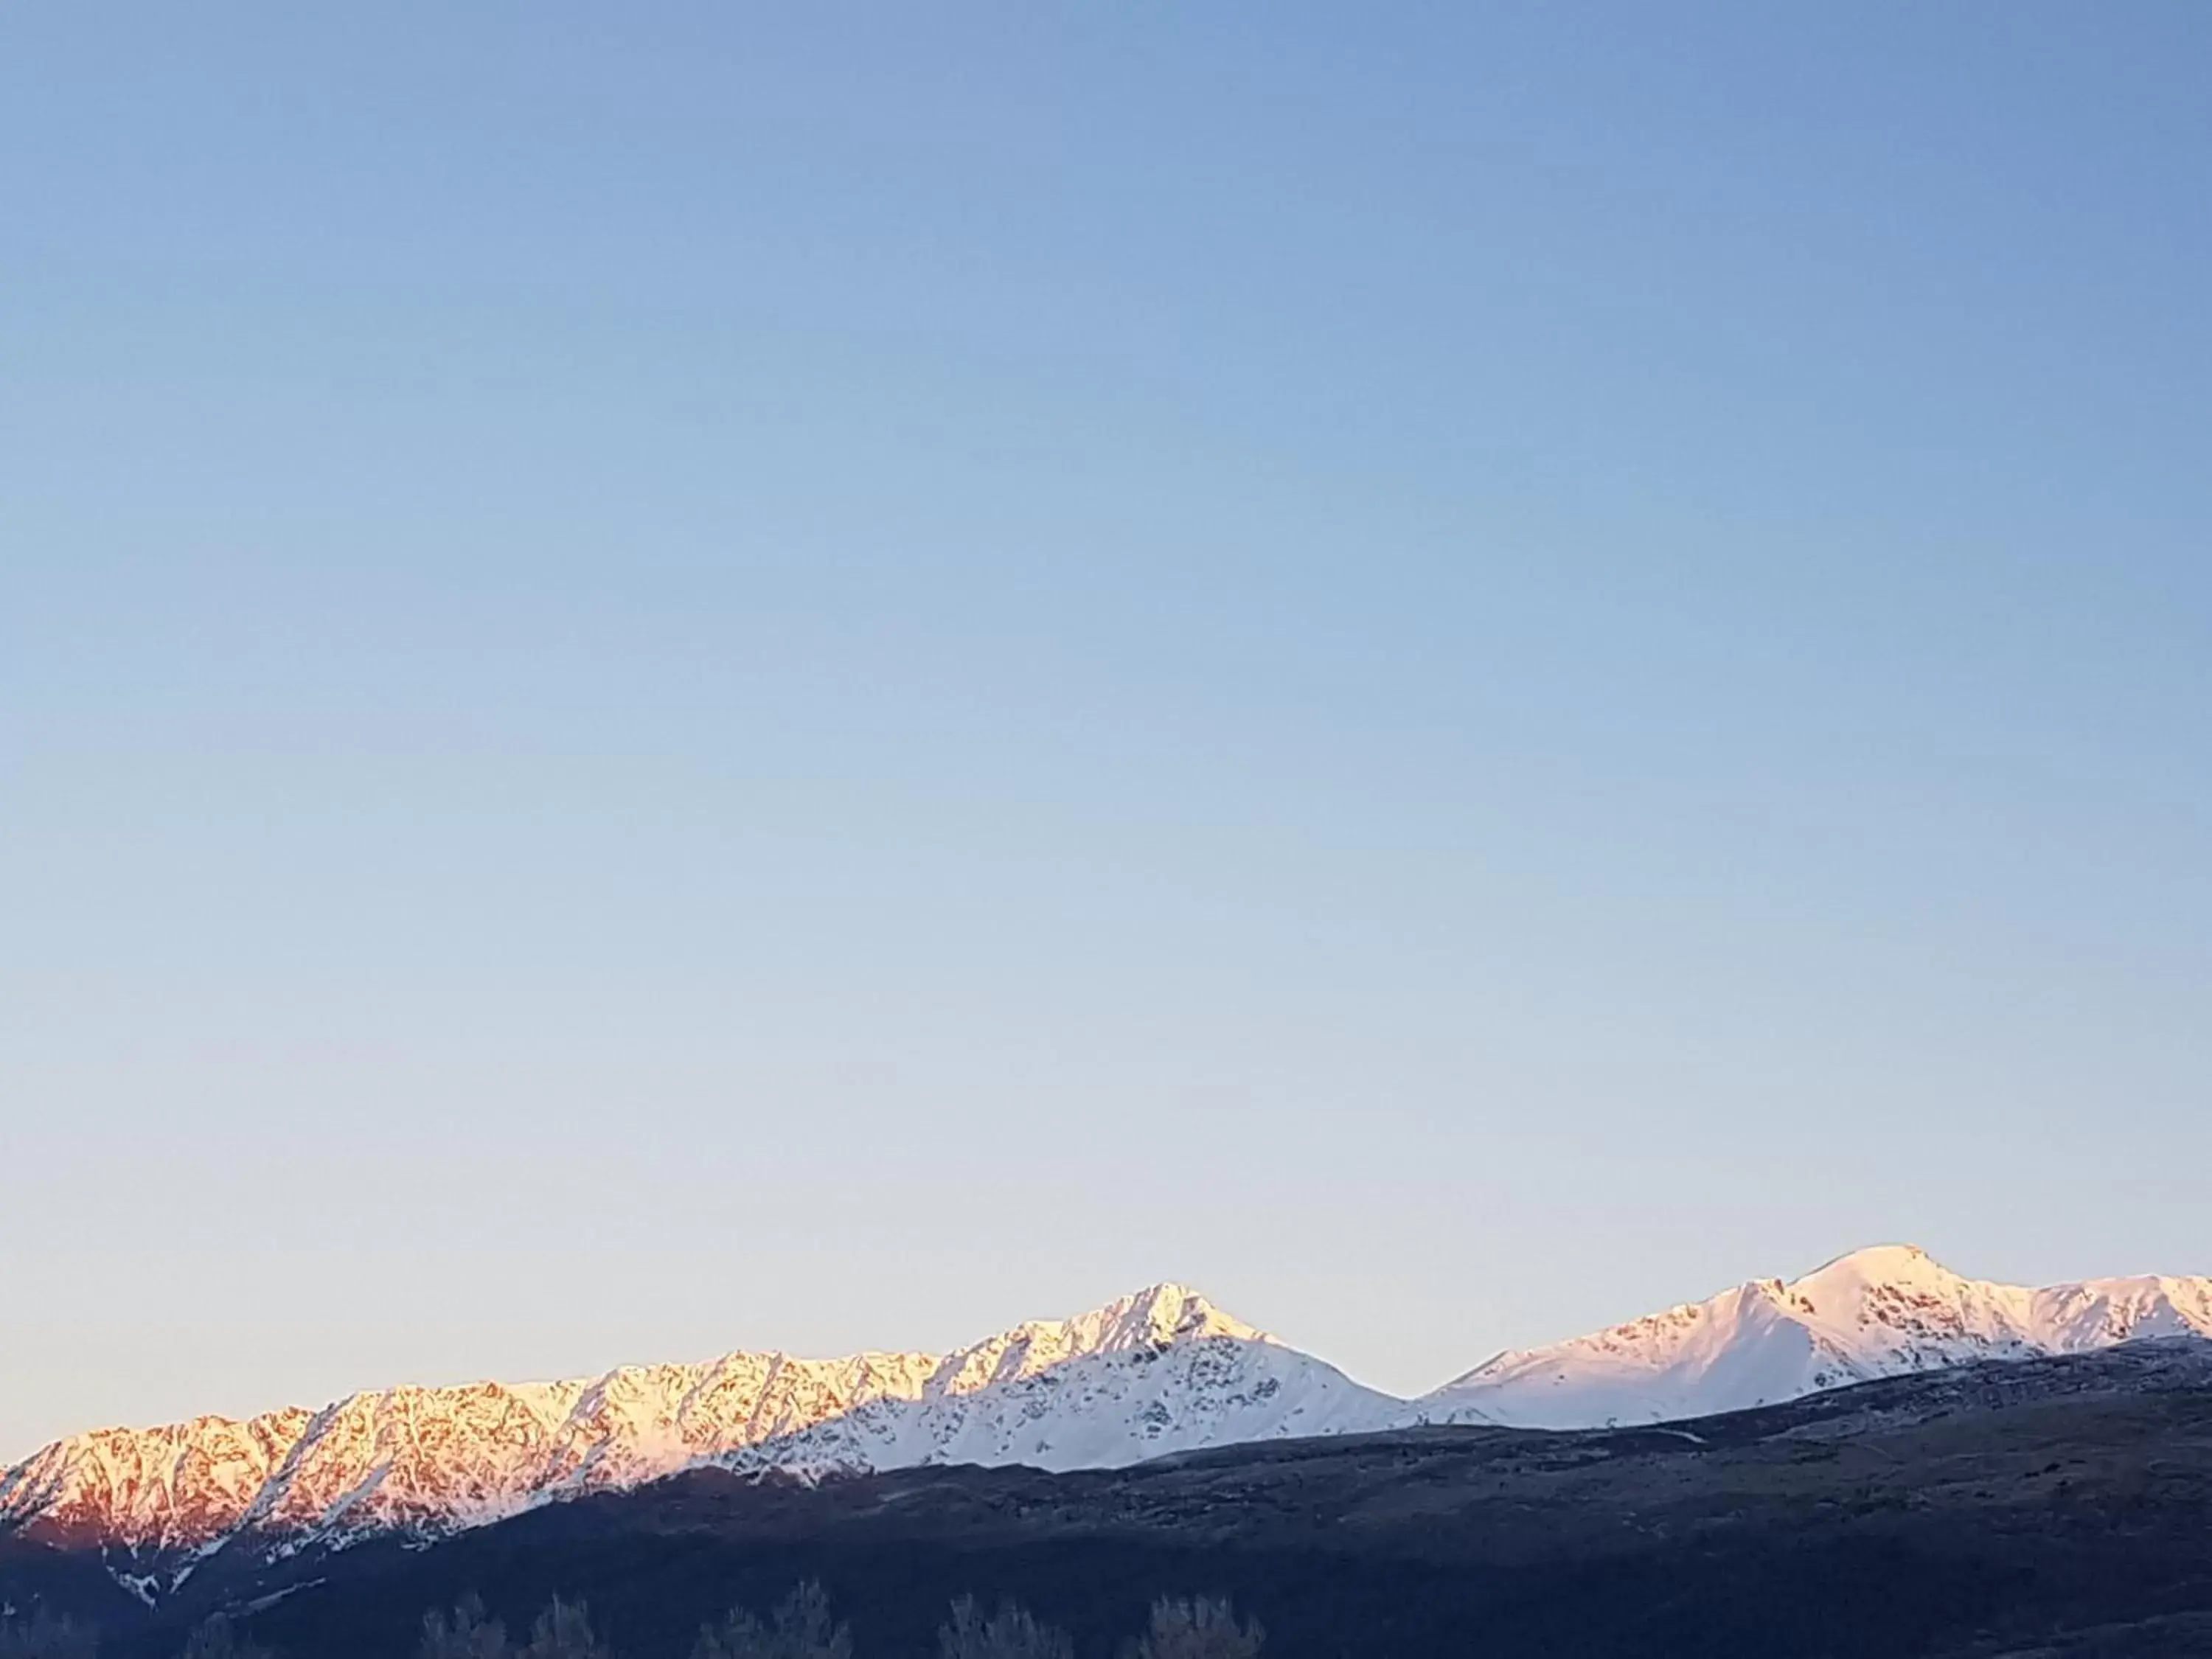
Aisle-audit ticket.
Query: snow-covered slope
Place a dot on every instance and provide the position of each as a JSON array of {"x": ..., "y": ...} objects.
[
  {"x": 1160, "y": 1370},
  {"x": 1166, "y": 1376},
  {"x": 1878, "y": 1312}
]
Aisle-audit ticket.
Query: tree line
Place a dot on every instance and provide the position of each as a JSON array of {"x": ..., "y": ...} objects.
[{"x": 802, "y": 1626}]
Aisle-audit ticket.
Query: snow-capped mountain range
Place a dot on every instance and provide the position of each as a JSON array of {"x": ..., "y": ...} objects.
[{"x": 1160, "y": 1371}]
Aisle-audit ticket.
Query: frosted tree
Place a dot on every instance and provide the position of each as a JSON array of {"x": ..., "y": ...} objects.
[
  {"x": 467, "y": 1635},
  {"x": 1011, "y": 1633},
  {"x": 215, "y": 1639},
  {"x": 563, "y": 1631},
  {"x": 800, "y": 1628},
  {"x": 1197, "y": 1627},
  {"x": 45, "y": 1635}
]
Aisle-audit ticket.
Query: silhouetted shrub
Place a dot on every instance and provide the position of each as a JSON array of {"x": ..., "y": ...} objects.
[
  {"x": 563, "y": 1631},
  {"x": 467, "y": 1635},
  {"x": 1199, "y": 1627},
  {"x": 1011, "y": 1633},
  {"x": 800, "y": 1628}
]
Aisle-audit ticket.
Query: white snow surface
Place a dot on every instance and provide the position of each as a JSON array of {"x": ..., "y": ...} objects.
[
  {"x": 1162, "y": 1370},
  {"x": 1878, "y": 1312}
]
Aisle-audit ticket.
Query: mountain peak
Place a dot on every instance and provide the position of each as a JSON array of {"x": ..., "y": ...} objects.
[
  {"x": 1162, "y": 1313},
  {"x": 1881, "y": 1261}
]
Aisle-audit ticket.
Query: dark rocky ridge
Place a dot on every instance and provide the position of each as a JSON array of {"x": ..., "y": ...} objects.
[{"x": 2057, "y": 1507}]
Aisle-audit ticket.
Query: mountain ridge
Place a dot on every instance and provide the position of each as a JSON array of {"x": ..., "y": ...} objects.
[
  {"x": 426, "y": 1461},
  {"x": 1161, "y": 1370}
]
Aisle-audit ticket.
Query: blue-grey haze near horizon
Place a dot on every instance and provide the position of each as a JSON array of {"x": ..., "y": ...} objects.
[{"x": 686, "y": 676}]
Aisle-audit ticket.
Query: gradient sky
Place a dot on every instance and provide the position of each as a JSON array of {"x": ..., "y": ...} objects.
[{"x": 685, "y": 675}]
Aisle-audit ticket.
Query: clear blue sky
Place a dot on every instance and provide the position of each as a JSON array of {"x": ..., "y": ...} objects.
[{"x": 681, "y": 676}]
